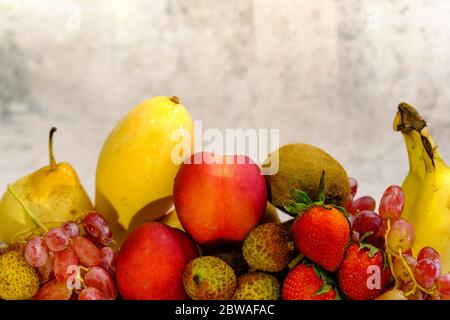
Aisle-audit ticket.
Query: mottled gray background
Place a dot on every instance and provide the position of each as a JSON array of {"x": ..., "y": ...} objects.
[{"x": 325, "y": 72}]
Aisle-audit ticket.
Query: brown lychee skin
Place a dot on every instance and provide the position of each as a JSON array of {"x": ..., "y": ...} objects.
[
  {"x": 209, "y": 278},
  {"x": 267, "y": 248}
]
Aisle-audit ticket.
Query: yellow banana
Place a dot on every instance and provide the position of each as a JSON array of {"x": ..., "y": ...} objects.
[
  {"x": 409, "y": 129},
  {"x": 430, "y": 213}
]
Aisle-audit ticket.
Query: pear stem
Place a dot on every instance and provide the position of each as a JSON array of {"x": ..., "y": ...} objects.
[
  {"x": 50, "y": 149},
  {"x": 36, "y": 221}
]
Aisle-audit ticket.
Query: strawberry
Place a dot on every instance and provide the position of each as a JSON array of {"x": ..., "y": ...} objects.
[
  {"x": 321, "y": 232},
  {"x": 307, "y": 282},
  {"x": 358, "y": 272}
]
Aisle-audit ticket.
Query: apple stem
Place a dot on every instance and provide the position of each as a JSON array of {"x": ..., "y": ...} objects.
[
  {"x": 36, "y": 221},
  {"x": 50, "y": 149}
]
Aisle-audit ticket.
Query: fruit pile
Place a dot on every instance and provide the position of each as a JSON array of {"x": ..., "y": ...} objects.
[{"x": 207, "y": 228}]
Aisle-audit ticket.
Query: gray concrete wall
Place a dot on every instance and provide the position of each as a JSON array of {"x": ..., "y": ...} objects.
[{"x": 325, "y": 72}]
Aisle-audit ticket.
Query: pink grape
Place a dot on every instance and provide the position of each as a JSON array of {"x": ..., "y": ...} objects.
[
  {"x": 400, "y": 270},
  {"x": 45, "y": 271},
  {"x": 36, "y": 252},
  {"x": 444, "y": 285},
  {"x": 361, "y": 204},
  {"x": 401, "y": 236},
  {"x": 418, "y": 295},
  {"x": 71, "y": 228},
  {"x": 367, "y": 221},
  {"x": 428, "y": 253},
  {"x": 98, "y": 278},
  {"x": 392, "y": 203},
  {"x": 426, "y": 273},
  {"x": 54, "y": 290},
  {"x": 108, "y": 260},
  {"x": 353, "y": 186},
  {"x": 57, "y": 239},
  {"x": 97, "y": 227},
  {"x": 91, "y": 293},
  {"x": 62, "y": 262},
  {"x": 88, "y": 254}
]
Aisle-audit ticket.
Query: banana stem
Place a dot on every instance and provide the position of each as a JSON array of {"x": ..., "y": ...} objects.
[
  {"x": 36, "y": 221},
  {"x": 50, "y": 149}
]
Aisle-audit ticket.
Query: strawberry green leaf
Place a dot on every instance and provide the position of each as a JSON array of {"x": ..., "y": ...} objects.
[
  {"x": 365, "y": 236},
  {"x": 372, "y": 249},
  {"x": 324, "y": 289},
  {"x": 343, "y": 210},
  {"x": 322, "y": 274},
  {"x": 301, "y": 197},
  {"x": 338, "y": 295},
  {"x": 295, "y": 208},
  {"x": 321, "y": 194}
]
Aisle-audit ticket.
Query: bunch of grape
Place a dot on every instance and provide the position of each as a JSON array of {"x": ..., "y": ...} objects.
[
  {"x": 70, "y": 264},
  {"x": 366, "y": 223},
  {"x": 418, "y": 278}
]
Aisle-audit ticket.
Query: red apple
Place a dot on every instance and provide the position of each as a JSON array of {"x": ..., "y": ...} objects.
[
  {"x": 221, "y": 199},
  {"x": 151, "y": 263}
]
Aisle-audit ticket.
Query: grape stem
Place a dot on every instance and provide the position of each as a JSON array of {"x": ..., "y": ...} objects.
[
  {"x": 391, "y": 264},
  {"x": 36, "y": 221},
  {"x": 28, "y": 232},
  {"x": 399, "y": 255},
  {"x": 416, "y": 285}
]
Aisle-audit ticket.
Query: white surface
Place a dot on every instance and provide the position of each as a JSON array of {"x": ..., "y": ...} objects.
[{"x": 325, "y": 72}]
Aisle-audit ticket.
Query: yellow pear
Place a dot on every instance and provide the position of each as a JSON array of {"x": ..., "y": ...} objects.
[
  {"x": 136, "y": 169},
  {"x": 41, "y": 200}
]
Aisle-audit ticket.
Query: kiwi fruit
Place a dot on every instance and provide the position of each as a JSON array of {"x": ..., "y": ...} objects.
[{"x": 300, "y": 167}]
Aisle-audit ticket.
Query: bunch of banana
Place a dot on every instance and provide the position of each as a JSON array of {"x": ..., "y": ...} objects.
[{"x": 427, "y": 186}]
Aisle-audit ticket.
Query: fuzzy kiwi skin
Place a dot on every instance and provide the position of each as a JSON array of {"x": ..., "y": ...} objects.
[{"x": 300, "y": 167}]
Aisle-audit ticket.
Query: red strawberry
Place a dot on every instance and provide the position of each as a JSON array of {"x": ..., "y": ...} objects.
[
  {"x": 307, "y": 282},
  {"x": 321, "y": 232},
  {"x": 358, "y": 272},
  {"x": 322, "y": 236}
]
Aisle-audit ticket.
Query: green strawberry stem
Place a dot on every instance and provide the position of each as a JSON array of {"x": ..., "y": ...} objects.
[
  {"x": 35, "y": 220},
  {"x": 302, "y": 201}
]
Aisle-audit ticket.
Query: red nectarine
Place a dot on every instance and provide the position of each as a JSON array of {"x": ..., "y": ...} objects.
[
  {"x": 151, "y": 263},
  {"x": 221, "y": 199}
]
